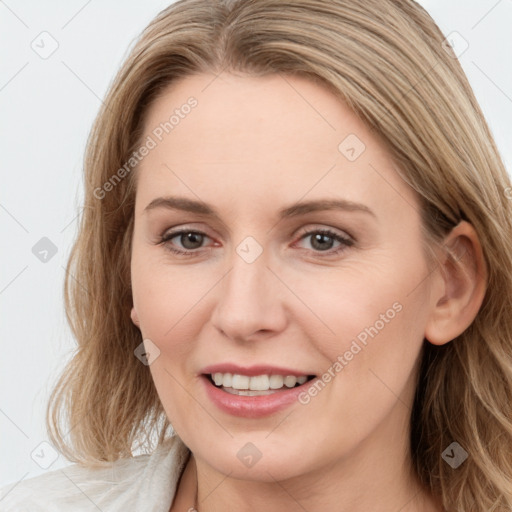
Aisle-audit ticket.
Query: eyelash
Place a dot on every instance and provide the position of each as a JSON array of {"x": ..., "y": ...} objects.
[{"x": 345, "y": 242}]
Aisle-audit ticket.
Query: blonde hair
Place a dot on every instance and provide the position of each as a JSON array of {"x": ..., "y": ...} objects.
[{"x": 386, "y": 60}]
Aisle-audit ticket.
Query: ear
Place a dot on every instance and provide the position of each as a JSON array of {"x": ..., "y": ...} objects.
[
  {"x": 135, "y": 317},
  {"x": 460, "y": 285}
]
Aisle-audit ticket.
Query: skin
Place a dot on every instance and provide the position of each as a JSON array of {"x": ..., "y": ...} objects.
[{"x": 252, "y": 146}]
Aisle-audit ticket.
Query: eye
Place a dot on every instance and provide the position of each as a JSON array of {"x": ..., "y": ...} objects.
[
  {"x": 322, "y": 240},
  {"x": 190, "y": 240}
]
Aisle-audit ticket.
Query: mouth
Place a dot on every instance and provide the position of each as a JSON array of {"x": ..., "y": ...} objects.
[
  {"x": 256, "y": 391},
  {"x": 258, "y": 385}
]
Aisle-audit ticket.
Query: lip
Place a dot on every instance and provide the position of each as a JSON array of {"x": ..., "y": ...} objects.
[
  {"x": 252, "y": 371},
  {"x": 253, "y": 406}
]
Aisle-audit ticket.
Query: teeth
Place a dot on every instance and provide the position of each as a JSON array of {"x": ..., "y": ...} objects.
[
  {"x": 290, "y": 381},
  {"x": 239, "y": 381},
  {"x": 302, "y": 379},
  {"x": 258, "y": 382},
  {"x": 227, "y": 380},
  {"x": 276, "y": 381}
]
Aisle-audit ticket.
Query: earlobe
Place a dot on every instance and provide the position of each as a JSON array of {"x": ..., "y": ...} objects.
[
  {"x": 135, "y": 317},
  {"x": 462, "y": 279}
]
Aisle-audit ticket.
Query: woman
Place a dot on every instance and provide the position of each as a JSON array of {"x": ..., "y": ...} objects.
[{"x": 296, "y": 251}]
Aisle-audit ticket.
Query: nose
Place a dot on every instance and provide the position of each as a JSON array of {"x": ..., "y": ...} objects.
[{"x": 250, "y": 301}]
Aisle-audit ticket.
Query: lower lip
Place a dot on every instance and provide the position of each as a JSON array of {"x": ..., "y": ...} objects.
[{"x": 253, "y": 406}]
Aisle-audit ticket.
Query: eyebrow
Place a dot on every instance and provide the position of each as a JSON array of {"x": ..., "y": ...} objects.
[{"x": 201, "y": 208}]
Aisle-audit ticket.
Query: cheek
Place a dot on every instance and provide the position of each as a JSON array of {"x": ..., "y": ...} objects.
[
  {"x": 170, "y": 307},
  {"x": 371, "y": 362},
  {"x": 342, "y": 304},
  {"x": 367, "y": 320},
  {"x": 166, "y": 297}
]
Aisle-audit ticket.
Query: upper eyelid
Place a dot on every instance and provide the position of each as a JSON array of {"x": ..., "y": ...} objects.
[
  {"x": 343, "y": 233},
  {"x": 320, "y": 219},
  {"x": 303, "y": 230}
]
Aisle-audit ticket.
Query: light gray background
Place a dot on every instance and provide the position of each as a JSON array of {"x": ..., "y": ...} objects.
[{"x": 47, "y": 108}]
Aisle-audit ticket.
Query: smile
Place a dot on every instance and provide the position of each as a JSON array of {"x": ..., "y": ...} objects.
[
  {"x": 239, "y": 398},
  {"x": 244, "y": 385}
]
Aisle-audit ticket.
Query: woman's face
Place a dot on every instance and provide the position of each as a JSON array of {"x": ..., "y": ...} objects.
[{"x": 273, "y": 282}]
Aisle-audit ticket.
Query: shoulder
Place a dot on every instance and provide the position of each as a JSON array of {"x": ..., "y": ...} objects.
[{"x": 136, "y": 483}]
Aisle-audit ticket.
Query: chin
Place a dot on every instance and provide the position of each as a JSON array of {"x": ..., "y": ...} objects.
[{"x": 251, "y": 457}]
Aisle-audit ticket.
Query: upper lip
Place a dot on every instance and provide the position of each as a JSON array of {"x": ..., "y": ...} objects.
[{"x": 251, "y": 371}]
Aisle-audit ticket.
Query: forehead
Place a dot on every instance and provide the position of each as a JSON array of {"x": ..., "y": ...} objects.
[{"x": 275, "y": 138}]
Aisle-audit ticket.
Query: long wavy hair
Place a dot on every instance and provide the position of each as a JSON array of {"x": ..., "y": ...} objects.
[{"x": 387, "y": 61}]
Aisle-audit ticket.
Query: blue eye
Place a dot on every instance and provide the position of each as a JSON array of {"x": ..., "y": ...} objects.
[{"x": 191, "y": 241}]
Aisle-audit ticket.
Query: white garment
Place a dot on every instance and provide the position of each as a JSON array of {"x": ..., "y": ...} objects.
[{"x": 144, "y": 483}]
